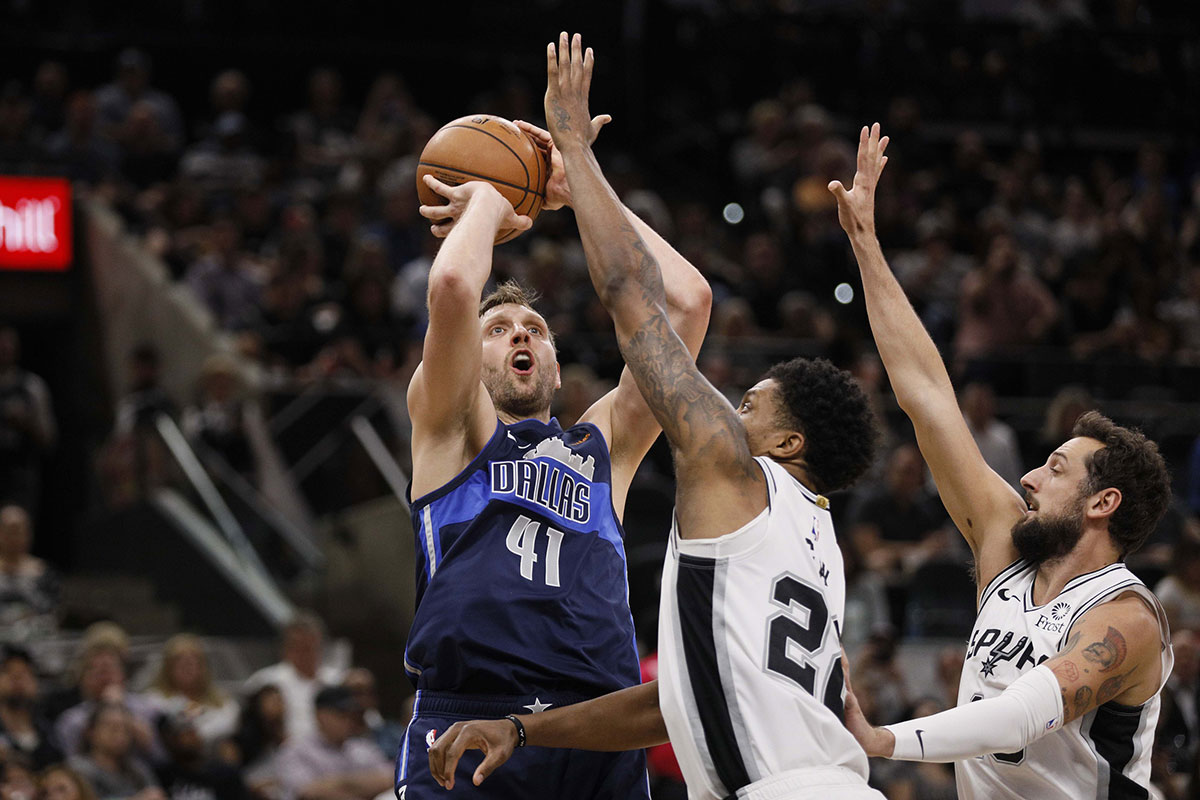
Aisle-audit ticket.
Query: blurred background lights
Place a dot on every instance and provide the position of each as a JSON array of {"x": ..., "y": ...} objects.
[
  {"x": 733, "y": 213},
  {"x": 844, "y": 293}
]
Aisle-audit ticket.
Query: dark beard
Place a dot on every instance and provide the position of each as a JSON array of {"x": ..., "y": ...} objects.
[
  {"x": 1041, "y": 539},
  {"x": 508, "y": 397}
]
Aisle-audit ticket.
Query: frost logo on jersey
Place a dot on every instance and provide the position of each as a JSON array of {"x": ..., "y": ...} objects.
[
  {"x": 565, "y": 492},
  {"x": 1060, "y": 610}
]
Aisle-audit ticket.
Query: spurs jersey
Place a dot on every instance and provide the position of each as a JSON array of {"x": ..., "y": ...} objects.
[
  {"x": 1103, "y": 754},
  {"x": 750, "y": 671}
]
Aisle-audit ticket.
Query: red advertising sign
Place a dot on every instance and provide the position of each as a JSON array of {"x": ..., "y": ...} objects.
[{"x": 35, "y": 224}]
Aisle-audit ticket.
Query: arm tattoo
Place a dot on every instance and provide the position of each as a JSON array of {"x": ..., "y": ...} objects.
[
  {"x": 1083, "y": 696},
  {"x": 1111, "y": 688},
  {"x": 696, "y": 418},
  {"x": 1109, "y": 653},
  {"x": 1072, "y": 641}
]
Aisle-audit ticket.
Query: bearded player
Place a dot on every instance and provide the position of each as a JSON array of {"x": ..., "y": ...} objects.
[{"x": 1060, "y": 690}]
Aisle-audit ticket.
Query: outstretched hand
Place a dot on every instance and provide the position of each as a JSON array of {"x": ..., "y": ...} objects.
[
  {"x": 875, "y": 741},
  {"x": 856, "y": 206},
  {"x": 558, "y": 191},
  {"x": 470, "y": 195},
  {"x": 495, "y": 737},
  {"x": 568, "y": 81}
]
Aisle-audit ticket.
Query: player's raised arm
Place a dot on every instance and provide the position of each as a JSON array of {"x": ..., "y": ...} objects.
[
  {"x": 446, "y": 398},
  {"x": 622, "y": 414},
  {"x": 626, "y": 720},
  {"x": 982, "y": 504},
  {"x": 702, "y": 427}
]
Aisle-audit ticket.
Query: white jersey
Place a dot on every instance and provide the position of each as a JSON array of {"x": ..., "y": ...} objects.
[
  {"x": 750, "y": 672},
  {"x": 1103, "y": 754}
]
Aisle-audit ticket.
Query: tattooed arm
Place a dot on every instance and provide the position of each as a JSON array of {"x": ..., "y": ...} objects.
[
  {"x": 1113, "y": 653},
  {"x": 707, "y": 439}
]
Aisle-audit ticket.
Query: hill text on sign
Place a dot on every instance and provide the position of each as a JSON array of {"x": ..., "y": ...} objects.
[{"x": 35, "y": 224}]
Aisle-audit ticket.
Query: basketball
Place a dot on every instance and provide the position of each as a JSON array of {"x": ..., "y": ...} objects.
[{"x": 483, "y": 147}]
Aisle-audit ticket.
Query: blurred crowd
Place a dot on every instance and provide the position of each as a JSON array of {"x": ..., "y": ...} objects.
[
  {"x": 1027, "y": 226},
  {"x": 166, "y": 729}
]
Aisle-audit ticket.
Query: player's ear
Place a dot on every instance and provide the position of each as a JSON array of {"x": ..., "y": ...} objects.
[
  {"x": 1103, "y": 503},
  {"x": 788, "y": 445},
  {"x": 557, "y": 376}
]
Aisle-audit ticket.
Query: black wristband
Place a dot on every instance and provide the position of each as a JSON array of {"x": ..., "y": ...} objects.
[{"x": 520, "y": 729}]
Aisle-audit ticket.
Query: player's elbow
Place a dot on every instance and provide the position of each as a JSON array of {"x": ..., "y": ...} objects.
[
  {"x": 451, "y": 287},
  {"x": 694, "y": 299}
]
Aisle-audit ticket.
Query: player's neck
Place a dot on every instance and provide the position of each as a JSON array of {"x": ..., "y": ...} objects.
[
  {"x": 1094, "y": 551},
  {"x": 511, "y": 419},
  {"x": 796, "y": 470}
]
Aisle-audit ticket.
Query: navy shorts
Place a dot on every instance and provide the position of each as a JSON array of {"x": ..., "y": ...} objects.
[{"x": 531, "y": 772}]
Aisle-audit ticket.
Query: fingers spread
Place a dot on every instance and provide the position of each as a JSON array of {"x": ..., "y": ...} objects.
[
  {"x": 837, "y": 188},
  {"x": 588, "y": 63}
]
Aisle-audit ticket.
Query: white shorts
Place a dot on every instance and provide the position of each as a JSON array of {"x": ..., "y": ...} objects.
[{"x": 812, "y": 783}]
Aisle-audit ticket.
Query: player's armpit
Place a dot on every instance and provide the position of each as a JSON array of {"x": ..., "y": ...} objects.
[{"x": 1112, "y": 653}]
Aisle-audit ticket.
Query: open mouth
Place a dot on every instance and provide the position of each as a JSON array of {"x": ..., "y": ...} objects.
[
  {"x": 1029, "y": 506},
  {"x": 522, "y": 362}
]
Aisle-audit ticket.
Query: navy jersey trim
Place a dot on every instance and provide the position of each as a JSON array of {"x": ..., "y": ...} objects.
[
  {"x": 695, "y": 587},
  {"x": 1113, "y": 732},
  {"x": 462, "y": 476}
]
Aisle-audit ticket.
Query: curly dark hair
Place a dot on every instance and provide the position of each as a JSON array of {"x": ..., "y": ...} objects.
[
  {"x": 828, "y": 406},
  {"x": 1130, "y": 463}
]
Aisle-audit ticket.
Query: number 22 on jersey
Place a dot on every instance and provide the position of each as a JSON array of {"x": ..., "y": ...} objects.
[{"x": 802, "y": 623}]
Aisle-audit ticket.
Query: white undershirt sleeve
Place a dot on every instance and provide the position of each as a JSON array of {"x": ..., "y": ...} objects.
[{"x": 1027, "y": 710}]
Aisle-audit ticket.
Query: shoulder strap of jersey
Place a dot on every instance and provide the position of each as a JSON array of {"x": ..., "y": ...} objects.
[{"x": 1002, "y": 577}]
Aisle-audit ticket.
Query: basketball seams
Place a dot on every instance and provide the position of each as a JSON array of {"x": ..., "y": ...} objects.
[
  {"x": 506, "y": 145},
  {"x": 448, "y": 168}
]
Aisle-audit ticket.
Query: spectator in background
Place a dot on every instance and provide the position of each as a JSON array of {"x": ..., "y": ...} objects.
[
  {"x": 223, "y": 161},
  {"x": 931, "y": 276},
  {"x": 300, "y": 674},
  {"x": 866, "y": 609},
  {"x": 1067, "y": 405},
  {"x": 89, "y": 156},
  {"x": 130, "y": 86},
  {"x": 23, "y": 729},
  {"x": 1179, "y": 592},
  {"x": 102, "y": 683},
  {"x": 18, "y": 782},
  {"x": 997, "y": 441},
  {"x": 224, "y": 278},
  {"x": 329, "y": 762},
  {"x": 109, "y": 759},
  {"x": 1178, "y": 732},
  {"x": 1003, "y": 307},
  {"x": 218, "y": 421},
  {"x": 387, "y": 734},
  {"x": 261, "y": 734},
  {"x": 27, "y": 427},
  {"x": 324, "y": 132},
  {"x": 897, "y": 525},
  {"x": 28, "y": 586},
  {"x": 184, "y": 686},
  {"x": 190, "y": 773},
  {"x": 60, "y": 782},
  {"x": 148, "y": 153},
  {"x": 146, "y": 399}
]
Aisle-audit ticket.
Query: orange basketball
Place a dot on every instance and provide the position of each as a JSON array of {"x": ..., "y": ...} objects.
[{"x": 483, "y": 147}]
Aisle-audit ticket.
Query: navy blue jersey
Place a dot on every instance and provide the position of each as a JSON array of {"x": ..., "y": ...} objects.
[{"x": 521, "y": 576}]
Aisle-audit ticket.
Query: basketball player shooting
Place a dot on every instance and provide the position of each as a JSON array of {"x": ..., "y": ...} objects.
[
  {"x": 521, "y": 576},
  {"x": 1060, "y": 690},
  {"x": 750, "y": 688}
]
